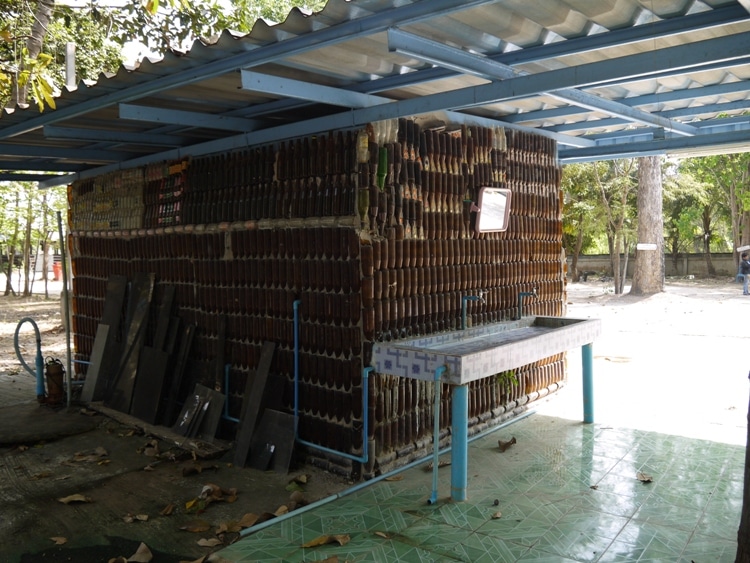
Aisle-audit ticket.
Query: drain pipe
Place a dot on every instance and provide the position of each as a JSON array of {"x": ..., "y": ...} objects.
[
  {"x": 365, "y": 403},
  {"x": 464, "y": 299},
  {"x": 66, "y": 305},
  {"x": 39, "y": 361},
  {"x": 436, "y": 435}
]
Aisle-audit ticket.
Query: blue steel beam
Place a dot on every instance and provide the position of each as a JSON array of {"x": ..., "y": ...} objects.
[
  {"x": 578, "y": 45},
  {"x": 642, "y": 64},
  {"x": 468, "y": 63},
  {"x": 346, "y": 31},
  {"x": 23, "y": 177},
  {"x": 40, "y": 166},
  {"x": 186, "y": 118},
  {"x": 116, "y": 137},
  {"x": 646, "y": 99},
  {"x": 729, "y": 140},
  {"x": 78, "y": 155}
]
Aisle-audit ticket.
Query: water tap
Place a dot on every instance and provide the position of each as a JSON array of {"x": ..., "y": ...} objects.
[{"x": 521, "y": 295}]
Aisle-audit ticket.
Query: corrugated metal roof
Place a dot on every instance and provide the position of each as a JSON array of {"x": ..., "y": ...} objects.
[{"x": 606, "y": 79}]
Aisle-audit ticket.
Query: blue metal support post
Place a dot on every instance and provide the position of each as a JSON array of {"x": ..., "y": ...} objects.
[
  {"x": 459, "y": 442},
  {"x": 588, "y": 382}
]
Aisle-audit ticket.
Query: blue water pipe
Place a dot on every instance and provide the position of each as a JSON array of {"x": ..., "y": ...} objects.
[
  {"x": 521, "y": 295},
  {"x": 39, "y": 358},
  {"x": 464, "y": 299},
  {"x": 365, "y": 403},
  {"x": 436, "y": 436},
  {"x": 587, "y": 359},
  {"x": 382, "y": 477},
  {"x": 459, "y": 442}
]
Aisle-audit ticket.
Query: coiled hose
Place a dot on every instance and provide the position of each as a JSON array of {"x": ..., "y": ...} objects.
[{"x": 39, "y": 360}]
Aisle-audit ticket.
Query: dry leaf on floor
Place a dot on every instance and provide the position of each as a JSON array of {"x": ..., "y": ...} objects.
[
  {"x": 196, "y": 526},
  {"x": 441, "y": 463},
  {"x": 283, "y": 509},
  {"x": 297, "y": 496},
  {"x": 248, "y": 520},
  {"x": 209, "y": 542},
  {"x": 594, "y": 487},
  {"x": 104, "y": 462},
  {"x": 503, "y": 445},
  {"x": 383, "y": 535},
  {"x": 497, "y": 515},
  {"x": 231, "y": 526},
  {"x": 41, "y": 475},
  {"x": 74, "y": 498},
  {"x": 643, "y": 477},
  {"x": 142, "y": 555},
  {"x": 341, "y": 539},
  {"x": 394, "y": 478},
  {"x": 167, "y": 510},
  {"x": 120, "y": 559},
  {"x": 88, "y": 412},
  {"x": 59, "y": 540},
  {"x": 201, "y": 560},
  {"x": 94, "y": 455},
  {"x": 192, "y": 469},
  {"x": 151, "y": 449},
  {"x": 300, "y": 479},
  {"x": 22, "y": 448}
]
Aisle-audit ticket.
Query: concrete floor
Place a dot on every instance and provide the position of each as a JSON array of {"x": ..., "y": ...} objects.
[
  {"x": 671, "y": 402},
  {"x": 671, "y": 399}
]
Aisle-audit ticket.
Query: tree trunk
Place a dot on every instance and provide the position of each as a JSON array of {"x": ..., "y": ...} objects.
[
  {"x": 576, "y": 276},
  {"x": 743, "y": 534},
  {"x": 42, "y": 17},
  {"x": 648, "y": 270},
  {"x": 27, "y": 266},
  {"x": 12, "y": 248}
]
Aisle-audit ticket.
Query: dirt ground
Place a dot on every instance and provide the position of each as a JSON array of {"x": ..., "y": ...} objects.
[{"x": 674, "y": 362}]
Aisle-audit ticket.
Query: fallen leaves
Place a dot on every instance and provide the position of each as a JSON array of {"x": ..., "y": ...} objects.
[
  {"x": 130, "y": 518},
  {"x": 76, "y": 498},
  {"x": 441, "y": 463},
  {"x": 209, "y": 542},
  {"x": 167, "y": 510},
  {"x": 90, "y": 456},
  {"x": 497, "y": 515},
  {"x": 341, "y": 539},
  {"x": 59, "y": 540},
  {"x": 196, "y": 526},
  {"x": 142, "y": 555},
  {"x": 643, "y": 477},
  {"x": 504, "y": 445}
]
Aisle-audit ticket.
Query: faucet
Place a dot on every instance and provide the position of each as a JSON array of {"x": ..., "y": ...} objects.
[
  {"x": 521, "y": 295},
  {"x": 464, "y": 299}
]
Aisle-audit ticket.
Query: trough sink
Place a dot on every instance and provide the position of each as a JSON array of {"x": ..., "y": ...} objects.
[{"x": 485, "y": 350}]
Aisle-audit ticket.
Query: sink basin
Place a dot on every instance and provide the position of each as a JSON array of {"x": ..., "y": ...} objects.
[{"x": 485, "y": 350}]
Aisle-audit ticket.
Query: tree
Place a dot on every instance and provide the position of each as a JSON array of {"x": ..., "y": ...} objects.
[
  {"x": 583, "y": 216},
  {"x": 616, "y": 184},
  {"x": 684, "y": 199},
  {"x": 648, "y": 271}
]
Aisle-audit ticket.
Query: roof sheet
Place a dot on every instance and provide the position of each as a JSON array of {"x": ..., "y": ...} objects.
[{"x": 606, "y": 79}]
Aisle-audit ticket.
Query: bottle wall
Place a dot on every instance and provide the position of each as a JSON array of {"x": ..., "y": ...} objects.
[{"x": 370, "y": 231}]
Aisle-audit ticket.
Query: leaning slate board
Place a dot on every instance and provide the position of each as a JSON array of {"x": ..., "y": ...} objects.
[
  {"x": 93, "y": 386},
  {"x": 252, "y": 405},
  {"x": 140, "y": 301},
  {"x": 107, "y": 346},
  {"x": 210, "y": 423},
  {"x": 149, "y": 384},
  {"x": 275, "y": 434}
]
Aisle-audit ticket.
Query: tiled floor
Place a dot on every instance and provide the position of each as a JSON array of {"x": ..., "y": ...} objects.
[{"x": 565, "y": 492}]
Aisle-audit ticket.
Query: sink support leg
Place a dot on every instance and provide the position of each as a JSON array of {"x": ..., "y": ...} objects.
[
  {"x": 459, "y": 442},
  {"x": 588, "y": 383},
  {"x": 436, "y": 436}
]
